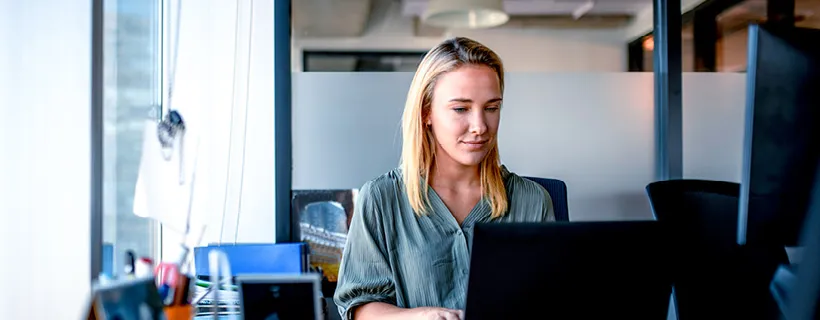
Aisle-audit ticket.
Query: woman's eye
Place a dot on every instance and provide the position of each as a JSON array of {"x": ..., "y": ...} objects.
[
  {"x": 492, "y": 108},
  {"x": 459, "y": 109}
]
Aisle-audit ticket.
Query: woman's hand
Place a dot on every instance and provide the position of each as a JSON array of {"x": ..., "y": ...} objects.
[
  {"x": 384, "y": 311},
  {"x": 433, "y": 313}
]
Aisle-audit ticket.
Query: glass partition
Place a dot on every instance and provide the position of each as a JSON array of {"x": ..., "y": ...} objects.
[{"x": 595, "y": 131}]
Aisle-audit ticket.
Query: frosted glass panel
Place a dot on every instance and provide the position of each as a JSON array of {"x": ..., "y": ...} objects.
[
  {"x": 713, "y": 120},
  {"x": 595, "y": 131},
  {"x": 346, "y": 127}
]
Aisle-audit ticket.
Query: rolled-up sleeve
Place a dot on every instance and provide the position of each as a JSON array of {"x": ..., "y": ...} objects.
[{"x": 365, "y": 274}]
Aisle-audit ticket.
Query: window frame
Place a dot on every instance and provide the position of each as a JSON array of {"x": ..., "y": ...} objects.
[{"x": 307, "y": 54}]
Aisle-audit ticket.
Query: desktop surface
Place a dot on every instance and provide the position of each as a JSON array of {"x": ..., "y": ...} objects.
[{"x": 577, "y": 270}]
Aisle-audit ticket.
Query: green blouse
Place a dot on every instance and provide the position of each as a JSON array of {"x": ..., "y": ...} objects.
[{"x": 396, "y": 257}]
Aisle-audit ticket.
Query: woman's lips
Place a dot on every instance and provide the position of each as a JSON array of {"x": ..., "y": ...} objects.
[{"x": 475, "y": 145}]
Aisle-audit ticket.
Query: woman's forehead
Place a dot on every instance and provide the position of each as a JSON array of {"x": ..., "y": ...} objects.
[{"x": 468, "y": 83}]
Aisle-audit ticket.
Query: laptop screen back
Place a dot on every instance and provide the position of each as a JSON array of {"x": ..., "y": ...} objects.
[{"x": 280, "y": 297}]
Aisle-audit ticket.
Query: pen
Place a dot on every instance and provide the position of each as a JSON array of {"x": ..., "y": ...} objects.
[{"x": 130, "y": 260}]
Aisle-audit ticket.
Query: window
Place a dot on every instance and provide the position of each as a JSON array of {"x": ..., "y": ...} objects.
[
  {"x": 361, "y": 61},
  {"x": 132, "y": 91}
]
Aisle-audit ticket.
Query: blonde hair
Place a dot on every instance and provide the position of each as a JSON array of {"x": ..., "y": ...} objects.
[{"x": 418, "y": 145}]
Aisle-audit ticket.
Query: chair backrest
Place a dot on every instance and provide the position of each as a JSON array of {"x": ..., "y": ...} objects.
[
  {"x": 710, "y": 207},
  {"x": 558, "y": 192},
  {"x": 715, "y": 278}
]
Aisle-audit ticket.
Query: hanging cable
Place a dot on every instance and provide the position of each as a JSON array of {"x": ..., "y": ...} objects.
[
  {"x": 245, "y": 127},
  {"x": 230, "y": 131}
]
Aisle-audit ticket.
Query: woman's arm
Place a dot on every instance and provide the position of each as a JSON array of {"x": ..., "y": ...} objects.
[{"x": 365, "y": 275}]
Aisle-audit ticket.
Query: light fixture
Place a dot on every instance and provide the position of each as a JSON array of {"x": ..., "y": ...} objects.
[
  {"x": 649, "y": 43},
  {"x": 583, "y": 9},
  {"x": 465, "y": 14}
]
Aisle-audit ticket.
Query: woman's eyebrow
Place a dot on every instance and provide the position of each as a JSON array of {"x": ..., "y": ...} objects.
[{"x": 465, "y": 100}]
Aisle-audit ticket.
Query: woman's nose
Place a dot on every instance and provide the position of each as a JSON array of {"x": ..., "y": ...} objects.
[{"x": 478, "y": 123}]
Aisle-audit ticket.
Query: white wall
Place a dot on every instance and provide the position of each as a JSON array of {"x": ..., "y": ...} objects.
[
  {"x": 555, "y": 50},
  {"x": 45, "y": 162},
  {"x": 714, "y": 111},
  {"x": 523, "y": 50},
  {"x": 595, "y": 131}
]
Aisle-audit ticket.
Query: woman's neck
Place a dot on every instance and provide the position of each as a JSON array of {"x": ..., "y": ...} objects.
[{"x": 448, "y": 173}]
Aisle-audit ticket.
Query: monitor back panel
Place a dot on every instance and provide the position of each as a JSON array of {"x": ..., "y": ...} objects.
[{"x": 577, "y": 270}]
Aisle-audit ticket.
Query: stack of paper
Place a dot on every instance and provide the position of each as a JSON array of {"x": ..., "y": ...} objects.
[{"x": 229, "y": 303}]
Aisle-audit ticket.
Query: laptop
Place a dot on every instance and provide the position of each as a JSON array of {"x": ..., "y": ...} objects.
[
  {"x": 569, "y": 270},
  {"x": 280, "y": 296}
]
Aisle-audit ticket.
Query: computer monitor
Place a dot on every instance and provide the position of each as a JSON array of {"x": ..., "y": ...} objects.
[
  {"x": 782, "y": 134},
  {"x": 569, "y": 270},
  {"x": 281, "y": 296}
]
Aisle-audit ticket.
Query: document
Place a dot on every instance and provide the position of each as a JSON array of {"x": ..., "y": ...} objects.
[{"x": 166, "y": 180}]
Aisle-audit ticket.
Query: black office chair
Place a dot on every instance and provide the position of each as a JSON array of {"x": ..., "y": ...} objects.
[
  {"x": 558, "y": 192},
  {"x": 714, "y": 277}
]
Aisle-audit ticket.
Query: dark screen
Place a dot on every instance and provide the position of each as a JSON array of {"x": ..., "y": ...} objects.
[
  {"x": 569, "y": 270},
  {"x": 281, "y": 301},
  {"x": 137, "y": 300},
  {"x": 782, "y": 138}
]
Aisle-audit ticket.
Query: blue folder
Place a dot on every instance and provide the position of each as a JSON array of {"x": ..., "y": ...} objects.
[
  {"x": 108, "y": 260},
  {"x": 264, "y": 258}
]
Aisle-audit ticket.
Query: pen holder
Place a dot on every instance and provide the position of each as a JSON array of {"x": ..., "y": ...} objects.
[{"x": 179, "y": 312}]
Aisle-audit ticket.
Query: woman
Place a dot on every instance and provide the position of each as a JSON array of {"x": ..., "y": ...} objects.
[{"x": 407, "y": 253}]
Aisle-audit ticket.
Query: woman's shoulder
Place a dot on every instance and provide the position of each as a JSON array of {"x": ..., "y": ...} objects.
[
  {"x": 383, "y": 187},
  {"x": 519, "y": 184},
  {"x": 520, "y": 189},
  {"x": 528, "y": 200},
  {"x": 388, "y": 180}
]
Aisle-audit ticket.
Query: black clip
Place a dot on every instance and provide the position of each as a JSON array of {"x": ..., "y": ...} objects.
[{"x": 169, "y": 128}]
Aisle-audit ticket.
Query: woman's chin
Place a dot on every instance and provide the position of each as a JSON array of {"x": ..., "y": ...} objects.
[{"x": 471, "y": 159}]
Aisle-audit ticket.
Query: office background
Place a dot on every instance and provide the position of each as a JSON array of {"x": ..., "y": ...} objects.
[
  {"x": 595, "y": 131},
  {"x": 573, "y": 111}
]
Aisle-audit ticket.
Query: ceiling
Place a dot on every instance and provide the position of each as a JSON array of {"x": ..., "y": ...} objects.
[
  {"x": 330, "y": 18},
  {"x": 353, "y": 18}
]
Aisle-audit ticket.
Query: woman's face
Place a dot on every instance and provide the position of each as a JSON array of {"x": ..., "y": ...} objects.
[{"x": 465, "y": 113}]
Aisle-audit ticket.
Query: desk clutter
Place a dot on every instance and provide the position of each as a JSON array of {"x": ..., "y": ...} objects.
[{"x": 247, "y": 281}]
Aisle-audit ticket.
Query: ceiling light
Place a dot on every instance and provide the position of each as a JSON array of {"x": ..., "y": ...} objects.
[
  {"x": 583, "y": 9},
  {"x": 465, "y": 14},
  {"x": 649, "y": 44}
]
